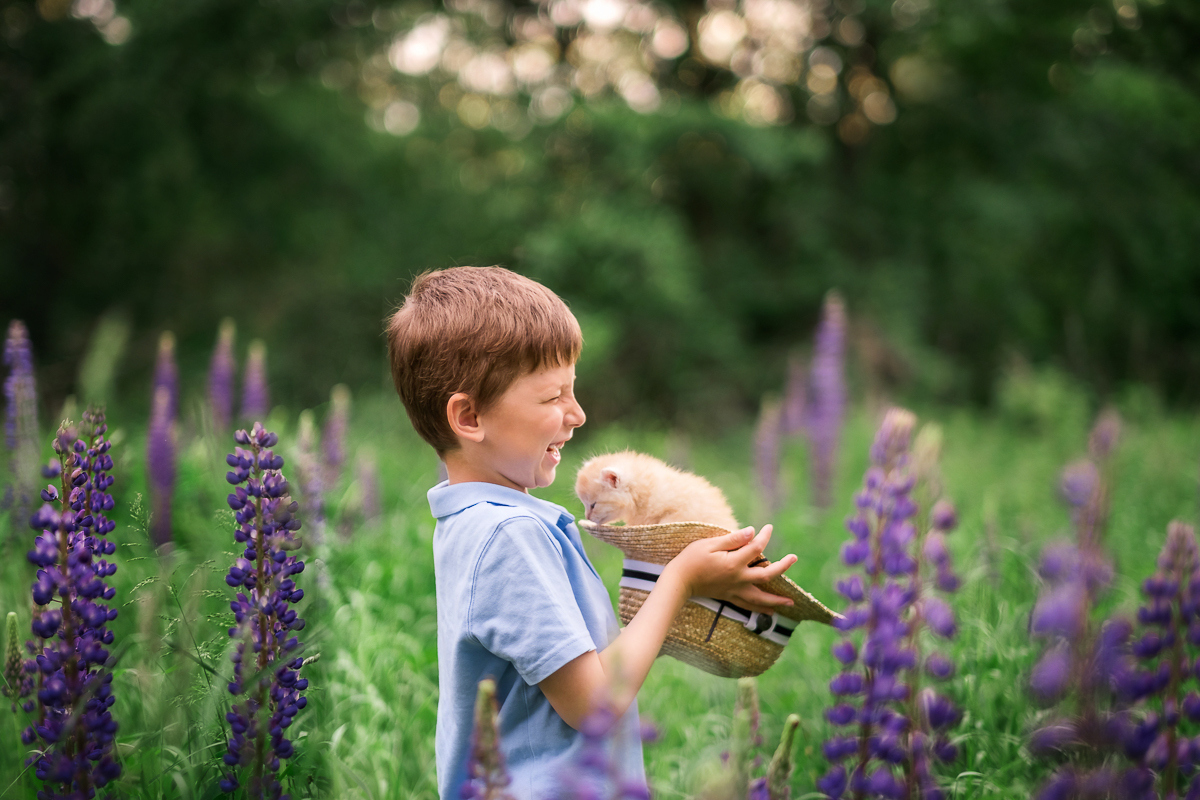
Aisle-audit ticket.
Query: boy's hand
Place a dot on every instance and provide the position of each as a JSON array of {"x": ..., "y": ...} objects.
[{"x": 718, "y": 567}]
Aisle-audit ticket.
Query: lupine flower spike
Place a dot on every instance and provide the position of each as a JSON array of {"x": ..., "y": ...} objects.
[
  {"x": 746, "y": 737},
  {"x": 367, "y": 477},
  {"x": 739, "y": 781},
  {"x": 487, "y": 777},
  {"x": 768, "y": 443},
  {"x": 795, "y": 398},
  {"x": 931, "y": 713},
  {"x": 20, "y": 421},
  {"x": 593, "y": 774},
  {"x": 310, "y": 479},
  {"x": 779, "y": 772},
  {"x": 1155, "y": 742},
  {"x": 220, "y": 378},
  {"x": 256, "y": 399},
  {"x": 71, "y": 617},
  {"x": 333, "y": 437},
  {"x": 266, "y": 676},
  {"x": 826, "y": 406},
  {"x": 161, "y": 438},
  {"x": 874, "y": 693},
  {"x": 17, "y": 683},
  {"x": 1081, "y": 662},
  {"x": 166, "y": 374}
]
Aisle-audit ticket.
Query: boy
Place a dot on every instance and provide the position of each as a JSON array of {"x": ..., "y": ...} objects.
[{"x": 484, "y": 361}]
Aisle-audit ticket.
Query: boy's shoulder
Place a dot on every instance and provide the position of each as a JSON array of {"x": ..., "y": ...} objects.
[{"x": 480, "y": 509}]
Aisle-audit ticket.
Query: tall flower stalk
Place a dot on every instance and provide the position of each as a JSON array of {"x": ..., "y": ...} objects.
[
  {"x": 487, "y": 777},
  {"x": 826, "y": 401},
  {"x": 1081, "y": 662},
  {"x": 70, "y": 618},
  {"x": 367, "y": 477},
  {"x": 768, "y": 445},
  {"x": 890, "y": 731},
  {"x": 310, "y": 478},
  {"x": 1164, "y": 681},
  {"x": 221, "y": 372},
  {"x": 256, "y": 397},
  {"x": 18, "y": 684},
  {"x": 738, "y": 781},
  {"x": 267, "y": 663},
  {"x": 20, "y": 421},
  {"x": 166, "y": 373},
  {"x": 333, "y": 436},
  {"x": 161, "y": 441}
]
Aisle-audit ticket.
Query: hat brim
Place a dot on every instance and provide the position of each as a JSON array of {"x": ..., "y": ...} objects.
[{"x": 658, "y": 544}]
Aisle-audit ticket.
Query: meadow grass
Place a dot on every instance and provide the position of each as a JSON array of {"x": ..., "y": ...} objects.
[{"x": 368, "y": 731}]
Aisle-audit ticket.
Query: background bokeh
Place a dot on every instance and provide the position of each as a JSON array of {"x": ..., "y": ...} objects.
[{"x": 989, "y": 185}]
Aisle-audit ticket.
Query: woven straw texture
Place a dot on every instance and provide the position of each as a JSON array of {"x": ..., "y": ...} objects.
[{"x": 732, "y": 650}]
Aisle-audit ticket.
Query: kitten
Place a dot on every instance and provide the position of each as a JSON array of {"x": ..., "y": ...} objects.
[{"x": 641, "y": 490}]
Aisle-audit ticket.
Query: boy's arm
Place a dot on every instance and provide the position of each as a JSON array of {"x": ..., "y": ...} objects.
[{"x": 713, "y": 567}]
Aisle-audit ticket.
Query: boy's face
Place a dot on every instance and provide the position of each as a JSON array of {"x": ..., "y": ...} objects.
[{"x": 525, "y": 429}]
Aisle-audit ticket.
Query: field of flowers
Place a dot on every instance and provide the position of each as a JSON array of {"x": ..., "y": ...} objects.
[{"x": 1038, "y": 694}]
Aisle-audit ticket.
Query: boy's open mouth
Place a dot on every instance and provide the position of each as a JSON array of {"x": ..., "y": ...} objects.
[{"x": 555, "y": 449}]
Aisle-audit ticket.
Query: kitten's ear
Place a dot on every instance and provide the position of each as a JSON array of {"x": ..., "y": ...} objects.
[{"x": 611, "y": 477}]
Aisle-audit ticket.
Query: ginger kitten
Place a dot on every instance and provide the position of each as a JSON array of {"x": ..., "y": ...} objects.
[{"x": 641, "y": 490}]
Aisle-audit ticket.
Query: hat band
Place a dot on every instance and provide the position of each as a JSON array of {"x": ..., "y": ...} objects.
[{"x": 643, "y": 575}]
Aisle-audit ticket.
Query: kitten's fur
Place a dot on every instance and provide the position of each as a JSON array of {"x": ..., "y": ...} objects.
[{"x": 641, "y": 490}]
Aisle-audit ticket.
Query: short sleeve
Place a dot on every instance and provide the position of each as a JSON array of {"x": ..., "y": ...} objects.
[{"x": 522, "y": 605}]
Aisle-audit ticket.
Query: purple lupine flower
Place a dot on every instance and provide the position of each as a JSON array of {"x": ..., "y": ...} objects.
[
  {"x": 885, "y": 718},
  {"x": 71, "y": 616},
  {"x": 20, "y": 420},
  {"x": 768, "y": 443},
  {"x": 267, "y": 661},
  {"x": 17, "y": 682},
  {"x": 333, "y": 437},
  {"x": 592, "y": 774},
  {"x": 1082, "y": 663},
  {"x": 220, "y": 378},
  {"x": 161, "y": 462},
  {"x": 256, "y": 399},
  {"x": 1155, "y": 742},
  {"x": 826, "y": 406},
  {"x": 487, "y": 777},
  {"x": 166, "y": 374}
]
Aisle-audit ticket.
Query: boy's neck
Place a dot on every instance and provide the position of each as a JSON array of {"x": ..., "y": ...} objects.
[{"x": 460, "y": 469}]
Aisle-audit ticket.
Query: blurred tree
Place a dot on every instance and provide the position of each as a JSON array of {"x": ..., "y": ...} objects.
[{"x": 1023, "y": 180}]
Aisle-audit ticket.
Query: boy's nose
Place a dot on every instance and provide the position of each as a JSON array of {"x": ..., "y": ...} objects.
[{"x": 575, "y": 417}]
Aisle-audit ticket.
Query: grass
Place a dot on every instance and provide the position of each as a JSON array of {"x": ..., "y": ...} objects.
[{"x": 368, "y": 731}]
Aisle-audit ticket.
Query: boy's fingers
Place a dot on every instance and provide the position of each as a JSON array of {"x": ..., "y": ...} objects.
[
  {"x": 754, "y": 548},
  {"x": 761, "y": 574},
  {"x": 734, "y": 540},
  {"x": 763, "y": 602}
]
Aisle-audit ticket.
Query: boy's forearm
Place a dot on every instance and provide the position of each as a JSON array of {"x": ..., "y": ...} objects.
[{"x": 628, "y": 659}]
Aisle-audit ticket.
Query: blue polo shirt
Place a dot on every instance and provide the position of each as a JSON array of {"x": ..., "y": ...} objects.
[{"x": 517, "y": 599}]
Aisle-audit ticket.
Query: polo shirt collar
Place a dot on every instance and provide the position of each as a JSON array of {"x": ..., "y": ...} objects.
[{"x": 446, "y": 499}]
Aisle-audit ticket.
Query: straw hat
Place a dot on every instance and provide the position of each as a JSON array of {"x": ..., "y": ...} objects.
[{"x": 715, "y": 636}]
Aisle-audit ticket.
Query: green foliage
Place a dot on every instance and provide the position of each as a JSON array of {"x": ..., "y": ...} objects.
[
  {"x": 1036, "y": 193},
  {"x": 372, "y": 618}
]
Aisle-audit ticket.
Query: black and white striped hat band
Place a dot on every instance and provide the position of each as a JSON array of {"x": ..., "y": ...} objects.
[{"x": 642, "y": 575}]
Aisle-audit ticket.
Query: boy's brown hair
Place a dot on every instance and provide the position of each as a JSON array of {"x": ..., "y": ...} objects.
[{"x": 473, "y": 330}]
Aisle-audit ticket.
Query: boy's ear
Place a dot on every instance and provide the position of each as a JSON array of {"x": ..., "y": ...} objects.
[
  {"x": 611, "y": 477},
  {"x": 463, "y": 418}
]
